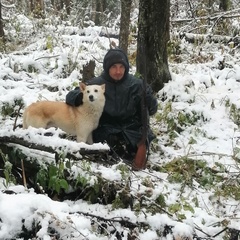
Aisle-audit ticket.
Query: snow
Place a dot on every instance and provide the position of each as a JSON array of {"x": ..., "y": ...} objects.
[{"x": 203, "y": 88}]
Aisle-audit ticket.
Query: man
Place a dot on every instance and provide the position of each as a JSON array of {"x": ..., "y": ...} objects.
[{"x": 120, "y": 124}]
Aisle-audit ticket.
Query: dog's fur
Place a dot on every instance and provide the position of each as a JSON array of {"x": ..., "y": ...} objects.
[{"x": 79, "y": 121}]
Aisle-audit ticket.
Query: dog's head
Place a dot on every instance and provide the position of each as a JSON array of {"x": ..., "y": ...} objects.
[{"x": 92, "y": 93}]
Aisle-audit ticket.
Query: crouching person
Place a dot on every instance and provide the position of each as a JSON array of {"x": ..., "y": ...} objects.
[{"x": 121, "y": 123}]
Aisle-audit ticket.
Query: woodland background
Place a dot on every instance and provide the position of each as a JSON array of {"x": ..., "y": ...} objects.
[{"x": 188, "y": 39}]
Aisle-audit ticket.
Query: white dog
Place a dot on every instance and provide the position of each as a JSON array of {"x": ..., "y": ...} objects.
[{"x": 79, "y": 121}]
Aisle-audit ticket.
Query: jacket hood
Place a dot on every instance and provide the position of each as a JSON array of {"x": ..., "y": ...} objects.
[{"x": 114, "y": 56}]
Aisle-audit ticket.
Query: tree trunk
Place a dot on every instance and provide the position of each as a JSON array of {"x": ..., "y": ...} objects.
[
  {"x": 88, "y": 70},
  {"x": 37, "y": 8},
  {"x": 1, "y": 22},
  {"x": 154, "y": 35},
  {"x": 224, "y": 5},
  {"x": 31, "y": 5},
  {"x": 100, "y": 8},
  {"x": 59, "y": 5},
  {"x": 124, "y": 24},
  {"x": 68, "y": 6}
]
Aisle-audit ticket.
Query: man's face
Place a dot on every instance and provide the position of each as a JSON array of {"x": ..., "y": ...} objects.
[{"x": 116, "y": 71}]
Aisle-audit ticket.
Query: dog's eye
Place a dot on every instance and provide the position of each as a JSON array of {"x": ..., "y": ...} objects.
[
  {"x": 88, "y": 91},
  {"x": 95, "y": 90}
]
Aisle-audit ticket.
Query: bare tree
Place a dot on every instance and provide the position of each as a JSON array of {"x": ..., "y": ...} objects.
[
  {"x": 124, "y": 24},
  {"x": 37, "y": 7},
  {"x": 153, "y": 36},
  {"x": 98, "y": 7},
  {"x": 59, "y": 5}
]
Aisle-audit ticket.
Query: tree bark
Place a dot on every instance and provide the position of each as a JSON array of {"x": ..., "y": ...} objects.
[
  {"x": 1, "y": 22},
  {"x": 88, "y": 70},
  {"x": 154, "y": 34},
  {"x": 68, "y": 7},
  {"x": 100, "y": 7},
  {"x": 124, "y": 24},
  {"x": 224, "y": 5}
]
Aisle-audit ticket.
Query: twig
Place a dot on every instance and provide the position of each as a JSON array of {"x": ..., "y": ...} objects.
[
  {"x": 157, "y": 205},
  {"x": 23, "y": 174},
  {"x": 122, "y": 221},
  {"x": 18, "y": 113},
  {"x": 220, "y": 232},
  {"x": 96, "y": 59},
  {"x": 46, "y": 57},
  {"x": 200, "y": 230},
  {"x": 210, "y": 153}
]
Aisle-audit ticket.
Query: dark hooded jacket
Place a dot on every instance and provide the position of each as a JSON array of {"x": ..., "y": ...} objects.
[{"x": 122, "y": 111}]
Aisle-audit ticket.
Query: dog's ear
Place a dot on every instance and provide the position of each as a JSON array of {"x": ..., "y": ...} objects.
[
  {"x": 103, "y": 87},
  {"x": 82, "y": 86}
]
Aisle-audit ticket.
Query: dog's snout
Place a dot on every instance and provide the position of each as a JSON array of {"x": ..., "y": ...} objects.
[{"x": 91, "y": 98}]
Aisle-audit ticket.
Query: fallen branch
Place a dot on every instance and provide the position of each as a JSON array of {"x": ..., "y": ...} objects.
[
  {"x": 192, "y": 38},
  {"x": 229, "y": 14},
  {"x": 23, "y": 174},
  {"x": 123, "y": 221}
]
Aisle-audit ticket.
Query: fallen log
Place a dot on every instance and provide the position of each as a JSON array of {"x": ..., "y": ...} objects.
[
  {"x": 193, "y": 38},
  {"x": 41, "y": 147},
  {"x": 19, "y": 151},
  {"x": 18, "y": 148}
]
